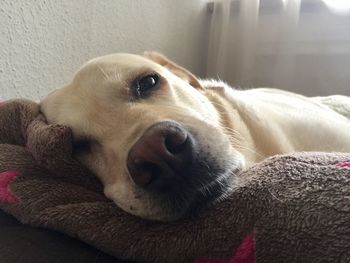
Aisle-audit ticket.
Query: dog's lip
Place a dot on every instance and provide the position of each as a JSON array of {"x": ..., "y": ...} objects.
[
  {"x": 226, "y": 175},
  {"x": 215, "y": 190},
  {"x": 223, "y": 177}
]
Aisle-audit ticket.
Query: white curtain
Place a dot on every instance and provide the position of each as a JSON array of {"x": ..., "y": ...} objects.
[{"x": 297, "y": 45}]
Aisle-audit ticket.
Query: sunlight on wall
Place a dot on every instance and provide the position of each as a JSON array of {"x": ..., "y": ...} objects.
[{"x": 338, "y": 6}]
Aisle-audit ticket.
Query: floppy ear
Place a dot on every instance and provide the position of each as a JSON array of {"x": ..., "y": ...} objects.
[{"x": 174, "y": 68}]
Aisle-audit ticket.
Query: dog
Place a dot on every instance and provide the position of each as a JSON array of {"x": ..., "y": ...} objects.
[{"x": 166, "y": 144}]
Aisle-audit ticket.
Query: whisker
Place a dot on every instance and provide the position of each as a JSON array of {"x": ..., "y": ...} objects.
[{"x": 103, "y": 72}]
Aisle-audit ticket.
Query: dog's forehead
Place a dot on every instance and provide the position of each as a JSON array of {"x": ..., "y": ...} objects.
[
  {"x": 121, "y": 62},
  {"x": 115, "y": 68}
]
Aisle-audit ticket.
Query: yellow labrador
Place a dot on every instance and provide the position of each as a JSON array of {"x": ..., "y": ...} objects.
[{"x": 165, "y": 143}]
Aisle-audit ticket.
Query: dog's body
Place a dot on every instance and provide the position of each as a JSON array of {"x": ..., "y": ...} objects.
[
  {"x": 271, "y": 121},
  {"x": 163, "y": 142}
]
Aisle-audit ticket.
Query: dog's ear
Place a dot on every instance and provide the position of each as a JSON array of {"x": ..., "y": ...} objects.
[{"x": 174, "y": 68}]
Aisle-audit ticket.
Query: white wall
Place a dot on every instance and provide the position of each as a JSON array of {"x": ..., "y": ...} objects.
[{"x": 43, "y": 42}]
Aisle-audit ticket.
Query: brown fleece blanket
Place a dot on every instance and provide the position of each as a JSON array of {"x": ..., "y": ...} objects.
[{"x": 291, "y": 208}]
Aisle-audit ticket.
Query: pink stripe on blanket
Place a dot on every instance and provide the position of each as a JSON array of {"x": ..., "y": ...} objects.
[
  {"x": 343, "y": 164},
  {"x": 2, "y": 102},
  {"x": 5, "y": 179},
  {"x": 245, "y": 253}
]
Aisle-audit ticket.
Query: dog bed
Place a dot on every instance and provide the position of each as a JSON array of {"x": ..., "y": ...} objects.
[{"x": 289, "y": 208}]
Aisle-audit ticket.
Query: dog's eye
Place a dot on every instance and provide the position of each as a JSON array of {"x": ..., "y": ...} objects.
[
  {"x": 81, "y": 146},
  {"x": 146, "y": 84}
]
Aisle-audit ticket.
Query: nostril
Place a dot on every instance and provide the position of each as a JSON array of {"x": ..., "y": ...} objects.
[
  {"x": 152, "y": 169},
  {"x": 175, "y": 143}
]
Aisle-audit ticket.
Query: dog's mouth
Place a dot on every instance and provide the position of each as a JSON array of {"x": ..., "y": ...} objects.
[
  {"x": 218, "y": 189},
  {"x": 198, "y": 195},
  {"x": 189, "y": 198}
]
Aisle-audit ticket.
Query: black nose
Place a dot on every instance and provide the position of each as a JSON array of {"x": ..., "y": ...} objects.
[{"x": 161, "y": 156}]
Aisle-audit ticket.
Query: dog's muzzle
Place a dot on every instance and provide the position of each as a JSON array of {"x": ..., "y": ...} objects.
[{"x": 178, "y": 172}]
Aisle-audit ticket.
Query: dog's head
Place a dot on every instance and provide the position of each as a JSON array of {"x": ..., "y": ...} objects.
[{"x": 145, "y": 127}]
